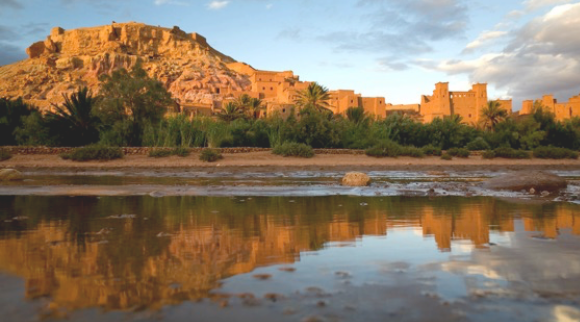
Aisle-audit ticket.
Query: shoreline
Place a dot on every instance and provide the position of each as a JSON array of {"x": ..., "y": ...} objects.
[{"x": 267, "y": 162}]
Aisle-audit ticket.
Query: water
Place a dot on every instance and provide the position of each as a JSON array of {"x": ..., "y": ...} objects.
[{"x": 325, "y": 258}]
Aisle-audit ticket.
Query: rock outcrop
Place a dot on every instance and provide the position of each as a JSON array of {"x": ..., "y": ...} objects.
[
  {"x": 191, "y": 69},
  {"x": 356, "y": 179},
  {"x": 530, "y": 181},
  {"x": 10, "y": 175}
]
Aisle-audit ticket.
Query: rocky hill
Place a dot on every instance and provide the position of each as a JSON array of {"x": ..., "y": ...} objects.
[{"x": 191, "y": 70}]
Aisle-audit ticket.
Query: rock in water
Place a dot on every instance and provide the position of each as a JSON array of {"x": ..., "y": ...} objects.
[
  {"x": 10, "y": 175},
  {"x": 527, "y": 180},
  {"x": 356, "y": 179}
]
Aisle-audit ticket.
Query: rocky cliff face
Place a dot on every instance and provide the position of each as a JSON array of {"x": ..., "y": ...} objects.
[{"x": 191, "y": 70}]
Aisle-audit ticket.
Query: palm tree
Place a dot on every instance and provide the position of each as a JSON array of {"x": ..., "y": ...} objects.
[
  {"x": 357, "y": 115},
  {"x": 314, "y": 96},
  {"x": 230, "y": 112},
  {"x": 492, "y": 114},
  {"x": 249, "y": 105},
  {"x": 74, "y": 120}
]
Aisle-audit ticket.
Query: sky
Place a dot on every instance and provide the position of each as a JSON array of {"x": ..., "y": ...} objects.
[{"x": 397, "y": 49}]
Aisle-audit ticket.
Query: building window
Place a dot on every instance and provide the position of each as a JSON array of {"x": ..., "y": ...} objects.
[
  {"x": 263, "y": 88},
  {"x": 284, "y": 110},
  {"x": 271, "y": 88}
]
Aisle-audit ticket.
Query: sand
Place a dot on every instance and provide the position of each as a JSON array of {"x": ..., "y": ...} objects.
[{"x": 266, "y": 162}]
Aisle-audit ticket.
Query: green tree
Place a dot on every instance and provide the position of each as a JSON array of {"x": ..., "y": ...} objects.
[
  {"x": 131, "y": 100},
  {"x": 12, "y": 115},
  {"x": 230, "y": 112},
  {"x": 73, "y": 123},
  {"x": 491, "y": 115},
  {"x": 314, "y": 96},
  {"x": 357, "y": 115}
]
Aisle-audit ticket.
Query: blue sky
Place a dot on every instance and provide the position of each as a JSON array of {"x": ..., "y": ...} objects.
[{"x": 392, "y": 48}]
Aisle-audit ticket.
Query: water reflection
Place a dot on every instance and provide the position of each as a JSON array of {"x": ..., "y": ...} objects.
[{"x": 142, "y": 252}]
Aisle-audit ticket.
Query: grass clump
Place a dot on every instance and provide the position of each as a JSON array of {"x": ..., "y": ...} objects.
[
  {"x": 459, "y": 152},
  {"x": 291, "y": 149},
  {"x": 4, "y": 155},
  {"x": 164, "y": 153},
  {"x": 549, "y": 152},
  {"x": 210, "y": 155},
  {"x": 413, "y": 152},
  {"x": 385, "y": 149},
  {"x": 432, "y": 150},
  {"x": 446, "y": 156},
  {"x": 93, "y": 152},
  {"x": 478, "y": 144},
  {"x": 160, "y": 153},
  {"x": 488, "y": 154},
  {"x": 509, "y": 153}
]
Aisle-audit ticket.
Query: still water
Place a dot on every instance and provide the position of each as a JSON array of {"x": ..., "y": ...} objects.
[{"x": 333, "y": 258}]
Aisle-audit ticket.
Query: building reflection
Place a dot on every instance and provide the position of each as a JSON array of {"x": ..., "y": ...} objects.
[{"x": 180, "y": 249}]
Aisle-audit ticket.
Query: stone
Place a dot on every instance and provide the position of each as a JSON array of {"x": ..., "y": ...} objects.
[
  {"x": 10, "y": 175},
  {"x": 356, "y": 179},
  {"x": 530, "y": 181}
]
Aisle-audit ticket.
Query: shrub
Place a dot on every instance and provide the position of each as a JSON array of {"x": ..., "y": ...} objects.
[
  {"x": 291, "y": 149},
  {"x": 181, "y": 152},
  {"x": 510, "y": 153},
  {"x": 446, "y": 156},
  {"x": 432, "y": 150},
  {"x": 4, "y": 155},
  {"x": 210, "y": 155},
  {"x": 488, "y": 154},
  {"x": 160, "y": 153},
  {"x": 458, "y": 152},
  {"x": 549, "y": 152},
  {"x": 478, "y": 144},
  {"x": 94, "y": 152},
  {"x": 412, "y": 151},
  {"x": 385, "y": 149}
]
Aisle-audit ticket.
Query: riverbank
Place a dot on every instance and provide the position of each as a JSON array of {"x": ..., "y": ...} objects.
[{"x": 267, "y": 162}]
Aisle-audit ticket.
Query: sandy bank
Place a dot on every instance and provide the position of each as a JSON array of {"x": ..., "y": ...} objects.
[{"x": 265, "y": 162}]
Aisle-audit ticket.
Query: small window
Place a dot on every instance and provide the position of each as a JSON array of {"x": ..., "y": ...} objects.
[
  {"x": 263, "y": 88},
  {"x": 352, "y": 101},
  {"x": 271, "y": 88},
  {"x": 284, "y": 110},
  {"x": 259, "y": 79},
  {"x": 469, "y": 115}
]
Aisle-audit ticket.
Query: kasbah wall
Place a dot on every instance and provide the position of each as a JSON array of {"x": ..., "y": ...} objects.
[{"x": 278, "y": 92}]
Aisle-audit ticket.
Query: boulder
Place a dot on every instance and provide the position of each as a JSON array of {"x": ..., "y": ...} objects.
[
  {"x": 10, "y": 175},
  {"x": 531, "y": 181},
  {"x": 356, "y": 179}
]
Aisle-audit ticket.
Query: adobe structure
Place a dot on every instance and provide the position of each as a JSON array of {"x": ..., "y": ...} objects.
[
  {"x": 561, "y": 111},
  {"x": 278, "y": 91},
  {"x": 467, "y": 104}
]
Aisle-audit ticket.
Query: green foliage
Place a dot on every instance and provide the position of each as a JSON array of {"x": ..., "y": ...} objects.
[
  {"x": 317, "y": 128},
  {"x": 447, "y": 157},
  {"x": 160, "y": 153},
  {"x": 412, "y": 151},
  {"x": 492, "y": 114},
  {"x": 357, "y": 115},
  {"x": 74, "y": 122},
  {"x": 4, "y": 155},
  {"x": 94, "y": 152},
  {"x": 431, "y": 150},
  {"x": 449, "y": 132},
  {"x": 509, "y": 153},
  {"x": 292, "y": 149},
  {"x": 12, "y": 116},
  {"x": 134, "y": 100},
  {"x": 231, "y": 112},
  {"x": 459, "y": 152},
  {"x": 478, "y": 144},
  {"x": 549, "y": 152},
  {"x": 181, "y": 152},
  {"x": 314, "y": 96},
  {"x": 384, "y": 149},
  {"x": 210, "y": 155},
  {"x": 488, "y": 154}
]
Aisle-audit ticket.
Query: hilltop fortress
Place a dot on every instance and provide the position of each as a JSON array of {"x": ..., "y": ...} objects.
[{"x": 201, "y": 79}]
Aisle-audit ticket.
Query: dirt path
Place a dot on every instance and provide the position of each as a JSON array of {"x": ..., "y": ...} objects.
[{"x": 266, "y": 162}]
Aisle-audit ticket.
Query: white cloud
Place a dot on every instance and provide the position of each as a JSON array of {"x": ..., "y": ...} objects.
[
  {"x": 541, "y": 57},
  {"x": 483, "y": 39},
  {"x": 532, "y": 5},
  {"x": 217, "y": 5}
]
